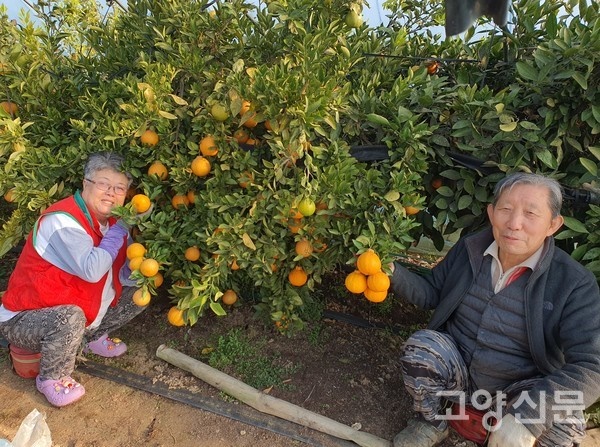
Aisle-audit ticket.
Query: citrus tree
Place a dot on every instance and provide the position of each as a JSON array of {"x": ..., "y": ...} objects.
[{"x": 279, "y": 141}]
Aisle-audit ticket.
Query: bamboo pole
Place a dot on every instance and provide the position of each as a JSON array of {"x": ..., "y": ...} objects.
[{"x": 265, "y": 403}]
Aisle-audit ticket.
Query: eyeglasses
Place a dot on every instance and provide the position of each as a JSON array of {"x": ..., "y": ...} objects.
[{"x": 105, "y": 187}]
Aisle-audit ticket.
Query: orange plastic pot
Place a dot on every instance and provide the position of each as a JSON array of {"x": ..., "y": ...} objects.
[{"x": 25, "y": 363}]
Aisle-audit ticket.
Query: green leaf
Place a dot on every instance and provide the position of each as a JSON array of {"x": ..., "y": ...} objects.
[
  {"x": 392, "y": 196},
  {"x": 464, "y": 202},
  {"x": 464, "y": 221},
  {"x": 404, "y": 114},
  {"x": 450, "y": 174},
  {"x": 589, "y": 165},
  {"x": 575, "y": 225},
  {"x": 594, "y": 253},
  {"x": 248, "y": 241},
  {"x": 508, "y": 127},
  {"x": 217, "y": 309},
  {"x": 445, "y": 191},
  {"x": 167, "y": 115},
  {"x": 526, "y": 71},
  {"x": 546, "y": 157},
  {"x": 581, "y": 80},
  {"x": 378, "y": 119},
  {"x": 596, "y": 112},
  {"x": 178, "y": 100},
  {"x": 595, "y": 151}
]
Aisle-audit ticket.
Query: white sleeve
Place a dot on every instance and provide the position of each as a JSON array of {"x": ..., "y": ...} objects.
[{"x": 63, "y": 242}]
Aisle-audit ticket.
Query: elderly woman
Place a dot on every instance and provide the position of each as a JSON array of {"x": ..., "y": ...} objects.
[{"x": 70, "y": 285}]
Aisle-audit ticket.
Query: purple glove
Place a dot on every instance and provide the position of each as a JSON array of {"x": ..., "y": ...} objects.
[{"x": 113, "y": 240}]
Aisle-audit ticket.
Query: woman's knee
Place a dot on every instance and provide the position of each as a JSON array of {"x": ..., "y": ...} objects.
[{"x": 73, "y": 318}]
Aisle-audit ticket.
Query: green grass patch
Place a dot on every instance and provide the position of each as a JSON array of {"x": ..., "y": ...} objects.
[{"x": 245, "y": 359}]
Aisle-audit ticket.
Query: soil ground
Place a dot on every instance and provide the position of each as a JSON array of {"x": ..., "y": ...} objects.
[{"x": 338, "y": 367}]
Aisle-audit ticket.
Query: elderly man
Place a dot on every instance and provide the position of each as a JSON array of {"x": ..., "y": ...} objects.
[{"x": 515, "y": 331}]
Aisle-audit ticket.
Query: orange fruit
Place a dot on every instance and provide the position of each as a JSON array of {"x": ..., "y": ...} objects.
[
  {"x": 149, "y": 138},
  {"x": 159, "y": 169},
  {"x": 268, "y": 125},
  {"x": 229, "y": 297},
  {"x": 436, "y": 183},
  {"x": 157, "y": 279},
  {"x": 135, "y": 250},
  {"x": 245, "y": 107},
  {"x": 375, "y": 297},
  {"x": 368, "y": 263},
  {"x": 245, "y": 179},
  {"x": 9, "y": 107},
  {"x": 141, "y": 297},
  {"x": 432, "y": 67},
  {"x": 356, "y": 282},
  {"x": 378, "y": 282},
  {"x": 9, "y": 196},
  {"x": 208, "y": 147},
  {"x": 149, "y": 267},
  {"x": 141, "y": 203},
  {"x": 134, "y": 263},
  {"x": 180, "y": 201},
  {"x": 191, "y": 196},
  {"x": 175, "y": 316},
  {"x": 241, "y": 136},
  {"x": 297, "y": 277},
  {"x": 192, "y": 253},
  {"x": 295, "y": 225},
  {"x": 250, "y": 122},
  {"x": 303, "y": 248},
  {"x": 320, "y": 206},
  {"x": 307, "y": 207},
  {"x": 251, "y": 141},
  {"x": 234, "y": 265},
  {"x": 411, "y": 210},
  {"x": 296, "y": 214},
  {"x": 219, "y": 112},
  {"x": 200, "y": 166}
]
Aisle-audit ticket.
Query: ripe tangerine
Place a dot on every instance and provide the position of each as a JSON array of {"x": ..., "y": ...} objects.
[
  {"x": 175, "y": 316},
  {"x": 9, "y": 107},
  {"x": 149, "y": 267},
  {"x": 135, "y": 250},
  {"x": 368, "y": 262},
  {"x": 356, "y": 282},
  {"x": 303, "y": 248},
  {"x": 141, "y": 203},
  {"x": 149, "y": 138},
  {"x": 297, "y": 277},
  {"x": 229, "y": 297},
  {"x": 200, "y": 166},
  {"x": 378, "y": 282},
  {"x": 141, "y": 297},
  {"x": 208, "y": 146},
  {"x": 192, "y": 253},
  {"x": 158, "y": 169},
  {"x": 180, "y": 201}
]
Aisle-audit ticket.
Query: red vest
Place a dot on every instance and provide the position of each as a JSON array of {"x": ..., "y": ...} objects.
[{"x": 35, "y": 283}]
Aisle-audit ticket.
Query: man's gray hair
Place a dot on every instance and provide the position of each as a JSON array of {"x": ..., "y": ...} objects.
[
  {"x": 524, "y": 178},
  {"x": 105, "y": 160}
]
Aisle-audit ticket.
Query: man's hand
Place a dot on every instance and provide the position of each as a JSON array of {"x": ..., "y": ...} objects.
[{"x": 511, "y": 433}]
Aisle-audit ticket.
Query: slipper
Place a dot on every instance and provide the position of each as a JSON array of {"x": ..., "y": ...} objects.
[
  {"x": 106, "y": 347},
  {"x": 60, "y": 392}
]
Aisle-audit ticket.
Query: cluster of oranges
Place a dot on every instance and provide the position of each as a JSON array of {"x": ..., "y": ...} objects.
[{"x": 368, "y": 278}]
